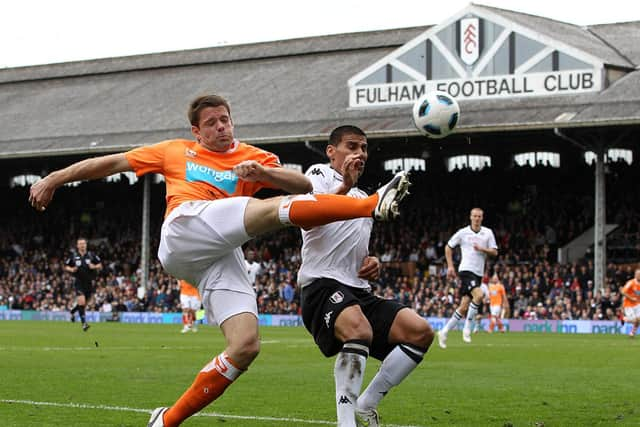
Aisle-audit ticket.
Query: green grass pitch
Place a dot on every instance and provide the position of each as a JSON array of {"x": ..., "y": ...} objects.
[{"x": 53, "y": 374}]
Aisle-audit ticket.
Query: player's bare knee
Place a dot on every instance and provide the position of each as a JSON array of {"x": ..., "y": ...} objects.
[
  {"x": 353, "y": 327},
  {"x": 245, "y": 349},
  {"x": 361, "y": 331},
  {"x": 247, "y": 352},
  {"x": 421, "y": 335},
  {"x": 426, "y": 335}
]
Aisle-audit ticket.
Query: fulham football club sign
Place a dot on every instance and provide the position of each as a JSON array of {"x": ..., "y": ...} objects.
[{"x": 477, "y": 53}]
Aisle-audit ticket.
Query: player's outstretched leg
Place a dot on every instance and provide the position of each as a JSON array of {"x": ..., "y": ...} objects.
[{"x": 312, "y": 210}]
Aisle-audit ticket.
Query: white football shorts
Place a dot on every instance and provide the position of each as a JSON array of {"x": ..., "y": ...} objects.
[
  {"x": 200, "y": 242},
  {"x": 495, "y": 310},
  {"x": 190, "y": 302},
  {"x": 222, "y": 304},
  {"x": 632, "y": 313}
]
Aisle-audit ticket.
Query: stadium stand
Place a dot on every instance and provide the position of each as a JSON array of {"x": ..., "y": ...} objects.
[{"x": 530, "y": 223}]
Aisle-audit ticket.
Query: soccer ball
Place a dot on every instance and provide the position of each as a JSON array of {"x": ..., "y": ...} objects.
[{"x": 435, "y": 114}]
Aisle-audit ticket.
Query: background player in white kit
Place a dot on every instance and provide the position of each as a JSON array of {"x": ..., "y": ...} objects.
[
  {"x": 476, "y": 243},
  {"x": 338, "y": 308}
]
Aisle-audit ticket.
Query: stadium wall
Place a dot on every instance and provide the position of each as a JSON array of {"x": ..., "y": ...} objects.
[{"x": 513, "y": 325}]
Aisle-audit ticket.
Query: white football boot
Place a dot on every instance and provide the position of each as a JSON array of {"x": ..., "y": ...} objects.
[
  {"x": 367, "y": 418},
  {"x": 466, "y": 335},
  {"x": 156, "y": 417},
  {"x": 442, "y": 339},
  {"x": 389, "y": 197}
]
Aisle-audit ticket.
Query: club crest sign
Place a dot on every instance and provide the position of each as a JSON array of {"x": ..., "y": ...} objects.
[
  {"x": 478, "y": 53},
  {"x": 469, "y": 40}
]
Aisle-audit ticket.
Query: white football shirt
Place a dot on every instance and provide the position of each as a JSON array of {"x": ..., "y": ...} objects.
[
  {"x": 335, "y": 250},
  {"x": 473, "y": 260},
  {"x": 253, "y": 269}
]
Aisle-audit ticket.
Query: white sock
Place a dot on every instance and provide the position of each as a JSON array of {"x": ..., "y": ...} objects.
[
  {"x": 222, "y": 363},
  {"x": 395, "y": 367},
  {"x": 348, "y": 373},
  {"x": 471, "y": 314},
  {"x": 452, "y": 322},
  {"x": 285, "y": 207}
]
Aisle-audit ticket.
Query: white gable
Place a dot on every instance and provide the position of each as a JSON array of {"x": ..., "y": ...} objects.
[{"x": 476, "y": 54}]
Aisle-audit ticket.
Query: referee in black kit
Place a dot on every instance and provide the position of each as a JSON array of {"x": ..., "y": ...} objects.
[{"x": 83, "y": 265}]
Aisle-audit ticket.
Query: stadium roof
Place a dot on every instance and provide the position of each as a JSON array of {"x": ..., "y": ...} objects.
[{"x": 284, "y": 91}]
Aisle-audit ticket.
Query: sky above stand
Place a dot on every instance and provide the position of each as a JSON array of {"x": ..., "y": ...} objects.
[{"x": 34, "y": 32}]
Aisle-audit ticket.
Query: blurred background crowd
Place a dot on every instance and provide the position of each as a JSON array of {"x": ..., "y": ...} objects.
[{"x": 533, "y": 212}]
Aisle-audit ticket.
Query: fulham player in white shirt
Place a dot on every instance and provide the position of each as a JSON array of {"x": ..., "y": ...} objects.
[
  {"x": 476, "y": 243},
  {"x": 338, "y": 307}
]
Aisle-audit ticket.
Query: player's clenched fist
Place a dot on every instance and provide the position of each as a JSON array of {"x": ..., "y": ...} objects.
[
  {"x": 370, "y": 268},
  {"x": 249, "y": 170},
  {"x": 41, "y": 193}
]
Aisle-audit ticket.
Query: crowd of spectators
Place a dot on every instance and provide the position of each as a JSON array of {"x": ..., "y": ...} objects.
[{"x": 531, "y": 217}]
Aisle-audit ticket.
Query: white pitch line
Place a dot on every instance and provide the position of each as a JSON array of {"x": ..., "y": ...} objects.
[
  {"x": 200, "y": 414},
  {"x": 101, "y": 348}
]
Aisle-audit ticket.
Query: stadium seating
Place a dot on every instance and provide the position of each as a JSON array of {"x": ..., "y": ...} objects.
[{"x": 530, "y": 222}]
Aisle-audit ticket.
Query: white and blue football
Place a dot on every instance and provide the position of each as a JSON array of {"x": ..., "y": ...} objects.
[{"x": 436, "y": 114}]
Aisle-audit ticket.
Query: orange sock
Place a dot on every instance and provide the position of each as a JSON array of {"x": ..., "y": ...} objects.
[
  {"x": 210, "y": 383},
  {"x": 492, "y": 325},
  {"x": 500, "y": 325},
  {"x": 308, "y": 211}
]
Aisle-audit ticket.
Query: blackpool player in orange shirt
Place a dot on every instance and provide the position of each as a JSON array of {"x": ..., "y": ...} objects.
[
  {"x": 631, "y": 302},
  {"x": 190, "y": 303},
  {"x": 498, "y": 303},
  {"x": 209, "y": 215}
]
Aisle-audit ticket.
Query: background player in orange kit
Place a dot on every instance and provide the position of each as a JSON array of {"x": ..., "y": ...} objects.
[
  {"x": 210, "y": 216},
  {"x": 498, "y": 303},
  {"x": 631, "y": 302},
  {"x": 190, "y": 303}
]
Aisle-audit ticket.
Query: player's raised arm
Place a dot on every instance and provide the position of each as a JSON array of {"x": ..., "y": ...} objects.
[{"x": 42, "y": 191}]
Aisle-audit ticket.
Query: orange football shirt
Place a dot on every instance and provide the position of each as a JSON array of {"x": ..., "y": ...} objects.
[
  {"x": 497, "y": 294},
  {"x": 193, "y": 172},
  {"x": 631, "y": 287},
  {"x": 188, "y": 289}
]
